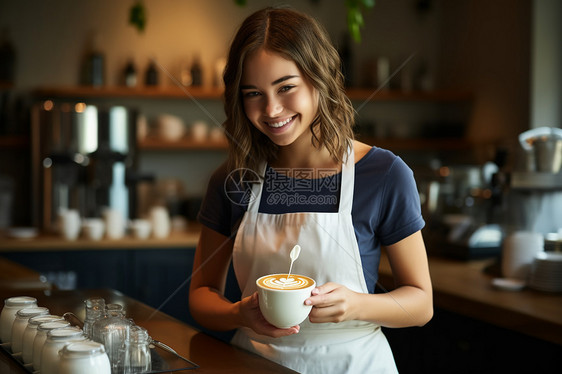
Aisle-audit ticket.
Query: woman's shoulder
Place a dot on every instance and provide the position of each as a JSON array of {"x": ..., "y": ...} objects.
[{"x": 369, "y": 156}]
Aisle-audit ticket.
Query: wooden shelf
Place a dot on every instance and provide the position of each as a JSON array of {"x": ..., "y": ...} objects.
[
  {"x": 182, "y": 144},
  {"x": 86, "y": 92},
  {"x": 214, "y": 93}
]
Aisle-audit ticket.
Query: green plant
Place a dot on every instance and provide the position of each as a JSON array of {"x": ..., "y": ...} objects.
[
  {"x": 355, "y": 20},
  {"x": 137, "y": 15}
]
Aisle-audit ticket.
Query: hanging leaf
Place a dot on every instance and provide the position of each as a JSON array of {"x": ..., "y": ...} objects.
[
  {"x": 355, "y": 20},
  {"x": 137, "y": 16},
  {"x": 240, "y": 2}
]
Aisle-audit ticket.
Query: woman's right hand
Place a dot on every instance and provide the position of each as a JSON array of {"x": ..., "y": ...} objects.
[{"x": 252, "y": 317}]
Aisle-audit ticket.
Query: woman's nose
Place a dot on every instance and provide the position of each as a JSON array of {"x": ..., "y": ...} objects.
[{"x": 273, "y": 107}]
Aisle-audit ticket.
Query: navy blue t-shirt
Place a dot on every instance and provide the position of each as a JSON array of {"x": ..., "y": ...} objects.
[{"x": 386, "y": 206}]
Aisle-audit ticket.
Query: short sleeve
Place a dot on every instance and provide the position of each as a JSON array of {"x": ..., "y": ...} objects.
[{"x": 400, "y": 214}]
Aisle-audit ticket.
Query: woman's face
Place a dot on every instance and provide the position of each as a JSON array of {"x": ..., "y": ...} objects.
[{"x": 278, "y": 100}]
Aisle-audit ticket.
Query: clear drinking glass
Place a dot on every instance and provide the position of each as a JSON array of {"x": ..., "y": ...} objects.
[
  {"x": 113, "y": 331},
  {"x": 137, "y": 351},
  {"x": 95, "y": 310}
]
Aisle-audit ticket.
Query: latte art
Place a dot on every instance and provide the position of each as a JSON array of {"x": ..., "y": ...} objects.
[{"x": 280, "y": 282}]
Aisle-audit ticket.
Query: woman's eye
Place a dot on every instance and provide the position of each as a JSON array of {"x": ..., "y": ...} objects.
[
  {"x": 250, "y": 94},
  {"x": 286, "y": 88}
]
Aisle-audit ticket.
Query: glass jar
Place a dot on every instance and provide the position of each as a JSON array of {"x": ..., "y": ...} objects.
[
  {"x": 30, "y": 332},
  {"x": 8, "y": 315},
  {"x": 84, "y": 357},
  {"x": 112, "y": 331},
  {"x": 137, "y": 351},
  {"x": 56, "y": 340},
  {"x": 95, "y": 310},
  {"x": 20, "y": 323},
  {"x": 41, "y": 337}
]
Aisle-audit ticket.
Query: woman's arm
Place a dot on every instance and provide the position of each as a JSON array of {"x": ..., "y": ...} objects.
[
  {"x": 207, "y": 303},
  {"x": 410, "y": 304}
]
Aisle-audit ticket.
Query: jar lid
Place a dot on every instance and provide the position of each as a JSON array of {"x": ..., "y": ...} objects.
[
  {"x": 41, "y": 318},
  {"x": 69, "y": 332},
  {"x": 20, "y": 301},
  {"x": 82, "y": 349},
  {"x": 46, "y": 326},
  {"x": 30, "y": 312}
]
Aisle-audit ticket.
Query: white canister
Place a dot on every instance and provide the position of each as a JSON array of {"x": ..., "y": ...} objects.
[
  {"x": 70, "y": 224},
  {"x": 56, "y": 340},
  {"x": 114, "y": 223},
  {"x": 85, "y": 357},
  {"x": 31, "y": 331},
  {"x": 161, "y": 223},
  {"x": 41, "y": 337},
  {"x": 8, "y": 315},
  {"x": 20, "y": 323},
  {"x": 518, "y": 252}
]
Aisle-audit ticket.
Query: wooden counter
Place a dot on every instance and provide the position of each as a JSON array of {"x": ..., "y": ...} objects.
[
  {"x": 464, "y": 288},
  {"x": 212, "y": 355},
  {"x": 461, "y": 287}
]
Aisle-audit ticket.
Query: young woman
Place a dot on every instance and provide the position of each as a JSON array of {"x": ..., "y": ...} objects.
[{"x": 295, "y": 175}]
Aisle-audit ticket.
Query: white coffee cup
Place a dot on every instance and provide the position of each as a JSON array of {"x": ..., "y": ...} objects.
[
  {"x": 70, "y": 224},
  {"x": 141, "y": 228},
  {"x": 283, "y": 305},
  {"x": 93, "y": 228},
  {"x": 518, "y": 252},
  {"x": 160, "y": 220}
]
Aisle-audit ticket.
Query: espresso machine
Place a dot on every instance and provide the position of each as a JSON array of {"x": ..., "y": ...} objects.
[
  {"x": 83, "y": 157},
  {"x": 533, "y": 189}
]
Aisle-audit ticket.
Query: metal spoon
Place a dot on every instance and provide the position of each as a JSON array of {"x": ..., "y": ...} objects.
[{"x": 295, "y": 252}]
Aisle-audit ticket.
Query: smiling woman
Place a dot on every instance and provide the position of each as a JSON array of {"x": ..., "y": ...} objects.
[{"x": 290, "y": 123}]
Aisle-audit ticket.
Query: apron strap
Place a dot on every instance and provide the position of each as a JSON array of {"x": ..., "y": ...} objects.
[{"x": 347, "y": 182}]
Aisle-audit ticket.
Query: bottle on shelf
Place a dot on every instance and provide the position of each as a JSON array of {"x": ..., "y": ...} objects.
[
  {"x": 94, "y": 66},
  {"x": 196, "y": 73},
  {"x": 151, "y": 76},
  {"x": 130, "y": 74}
]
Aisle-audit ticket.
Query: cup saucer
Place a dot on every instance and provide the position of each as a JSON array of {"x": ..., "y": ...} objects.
[{"x": 508, "y": 284}]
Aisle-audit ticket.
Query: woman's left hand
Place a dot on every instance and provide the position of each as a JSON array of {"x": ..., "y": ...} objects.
[{"x": 332, "y": 302}]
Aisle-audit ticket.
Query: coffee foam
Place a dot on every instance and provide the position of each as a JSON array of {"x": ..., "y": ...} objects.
[{"x": 280, "y": 282}]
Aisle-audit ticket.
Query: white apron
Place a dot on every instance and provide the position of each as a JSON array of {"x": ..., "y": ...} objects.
[{"x": 329, "y": 253}]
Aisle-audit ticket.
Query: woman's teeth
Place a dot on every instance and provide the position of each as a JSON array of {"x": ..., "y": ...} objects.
[{"x": 279, "y": 124}]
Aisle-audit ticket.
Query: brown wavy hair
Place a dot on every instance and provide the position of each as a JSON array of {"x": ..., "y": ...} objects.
[{"x": 301, "y": 39}]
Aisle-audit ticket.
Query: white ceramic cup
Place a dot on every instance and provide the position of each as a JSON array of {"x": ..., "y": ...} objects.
[
  {"x": 283, "y": 306},
  {"x": 93, "y": 228},
  {"x": 160, "y": 220},
  {"x": 70, "y": 225},
  {"x": 518, "y": 252},
  {"x": 141, "y": 228},
  {"x": 114, "y": 223}
]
